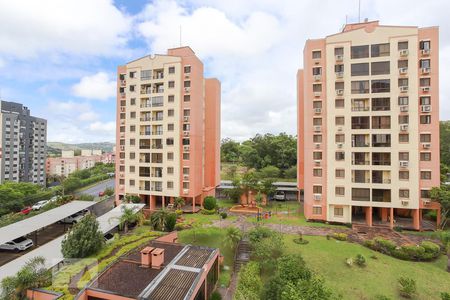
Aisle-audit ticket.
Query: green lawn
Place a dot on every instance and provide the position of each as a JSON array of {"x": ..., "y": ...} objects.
[
  {"x": 201, "y": 219},
  {"x": 327, "y": 258},
  {"x": 211, "y": 237}
]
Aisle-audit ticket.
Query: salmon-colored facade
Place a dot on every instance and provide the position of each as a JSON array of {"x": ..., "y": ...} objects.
[
  {"x": 168, "y": 130},
  {"x": 368, "y": 125}
]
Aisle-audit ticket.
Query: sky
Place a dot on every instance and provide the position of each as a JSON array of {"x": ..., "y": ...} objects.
[{"x": 59, "y": 57}]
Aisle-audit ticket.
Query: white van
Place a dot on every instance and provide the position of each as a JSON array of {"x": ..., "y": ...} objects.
[{"x": 19, "y": 244}]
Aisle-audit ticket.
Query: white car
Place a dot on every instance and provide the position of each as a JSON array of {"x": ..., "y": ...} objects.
[
  {"x": 19, "y": 244},
  {"x": 40, "y": 204},
  {"x": 75, "y": 218},
  {"x": 279, "y": 196}
]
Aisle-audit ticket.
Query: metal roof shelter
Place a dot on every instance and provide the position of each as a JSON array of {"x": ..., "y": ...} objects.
[
  {"x": 51, "y": 251},
  {"x": 27, "y": 226}
]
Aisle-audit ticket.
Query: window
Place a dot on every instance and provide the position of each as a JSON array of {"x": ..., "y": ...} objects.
[
  {"x": 424, "y": 63},
  {"x": 132, "y": 155},
  {"x": 360, "y": 122},
  {"x": 339, "y": 68},
  {"x": 403, "y": 119},
  {"x": 360, "y": 194},
  {"x": 339, "y": 103},
  {"x": 317, "y": 104},
  {"x": 380, "y": 68},
  {"x": 171, "y": 70},
  {"x": 169, "y": 155},
  {"x": 404, "y": 193},
  {"x": 169, "y": 170},
  {"x": 170, "y": 127},
  {"x": 317, "y": 155},
  {"x": 187, "y": 69},
  {"x": 317, "y": 138},
  {"x": 132, "y": 142},
  {"x": 132, "y": 128},
  {"x": 170, "y": 185},
  {"x": 340, "y": 173},
  {"x": 317, "y": 210},
  {"x": 380, "y": 50},
  {"x": 132, "y": 88},
  {"x": 170, "y": 113},
  {"x": 425, "y": 45},
  {"x": 403, "y": 175},
  {"x": 403, "y": 100},
  {"x": 186, "y": 156},
  {"x": 317, "y": 189},
  {"x": 403, "y": 156},
  {"x": 360, "y": 87},
  {"x": 186, "y": 113},
  {"x": 171, "y": 84},
  {"x": 339, "y": 51},
  {"x": 317, "y": 87},
  {"x": 317, "y": 71},
  {"x": 187, "y": 98},
  {"x": 339, "y": 86},
  {"x": 425, "y": 119},
  {"x": 340, "y": 138},
  {"x": 425, "y": 175},
  {"x": 132, "y": 74},
  {"x": 425, "y": 82},
  {"x": 132, "y": 169},
  {"x": 425, "y": 194},
  {"x": 425, "y": 100},
  {"x": 338, "y": 211},
  {"x": 316, "y": 54},
  {"x": 403, "y": 45},
  {"x": 360, "y": 69},
  {"x": 132, "y": 114},
  {"x": 425, "y": 138},
  {"x": 317, "y": 121},
  {"x": 381, "y": 104},
  {"x": 187, "y": 83},
  {"x": 402, "y": 63},
  {"x": 359, "y": 51},
  {"x": 171, "y": 98},
  {"x": 403, "y": 138},
  {"x": 381, "y": 86},
  {"x": 133, "y": 101},
  {"x": 169, "y": 141},
  {"x": 339, "y": 191},
  {"x": 317, "y": 172},
  {"x": 339, "y": 155},
  {"x": 340, "y": 120},
  {"x": 146, "y": 74},
  {"x": 425, "y": 156},
  {"x": 382, "y": 122},
  {"x": 131, "y": 182},
  {"x": 403, "y": 82},
  {"x": 186, "y": 185}
]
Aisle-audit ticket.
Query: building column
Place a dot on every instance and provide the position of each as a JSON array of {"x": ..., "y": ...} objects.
[
  {"x": 163, "y": 201},
  {"x": 384, "y": 214},
  {"x": 152, "y": 202},
  {"x": 416, "y": 219},
  {"x": 193, "y": 204},
  {"x": 369, "y": 216},
  {"x": 391, "y": 218}
]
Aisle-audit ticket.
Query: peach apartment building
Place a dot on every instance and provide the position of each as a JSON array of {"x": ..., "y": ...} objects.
[
  {"x": 168, "y": 130},
  {"x": 69, "y": 162},
  {"x": 368, "y": 125}
]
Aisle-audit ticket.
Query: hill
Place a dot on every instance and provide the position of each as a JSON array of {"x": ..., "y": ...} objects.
[{"x": 54, "y": 148}]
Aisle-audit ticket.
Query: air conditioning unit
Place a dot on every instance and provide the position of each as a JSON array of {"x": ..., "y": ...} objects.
[
  {"x": 186, "y": 118},
  {"x": 123, "y": 82},
  {"x": 317, "y": 197},
  {"x": 185, "y": 191},
  {"x": 425, "y": 70},
  {"x": 122, "y": 148},
  {"x": 425, "y": 108},
  {"x": 339, "y": 92},
  {"x": 426, "y": 201},
  {"x": 403, "y": 71},
  {"x": 339, "y": 74},
  {"x": 186, "y": 133},
  {"x": 317, "y": 94},
  {"x": 122, "y": 109},
  {"x": 317, "y": 77},
  {"x": 317, "y": 128},
  {"x": 185, "y": 177},
  {"x": 317, "y": 162},
  {"x": 187, "y": 89},
  {"x": 340, "y": 128},
  {"x": 339, "y": 57},
  {"x": 187, "y": 75},
  {"x": 405, "y": 202},
  {"x": 317, "y": 110},
  {"x": 403, "y": 127},
  {"x": 404, "y": 52},
  {"x": 186, "y": 148},
  {"x": 404, "y": 108},
  {"x": 340, "y": 145},
  {"x": 425, "y": 52},
  {"x": 426, "y": 146},
  {"x": 404, "y": 163},
  {"x": 317, "y": 145},
  {"x": 403, "y": 89},
  {"x": 425, "y": 89}
]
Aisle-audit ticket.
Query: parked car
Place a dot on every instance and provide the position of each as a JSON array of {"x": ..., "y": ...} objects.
[
  {"x": 19, "y": 244},
  {"x": 40, "y": 204},
  {"x": 73, "y": 219},
  {"x": 26, "y": 210},
  {"x": 101, "y": 194},
  {"x": 53, "y": 199},
  {"x": 279, "y": 196}
]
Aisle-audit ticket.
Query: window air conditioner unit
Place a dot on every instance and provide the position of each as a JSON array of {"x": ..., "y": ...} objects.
[
  {"x": 340, "y": 145},
  {"x": 317, "y": 197},
  {"x": 339, "y": 57},
  {"x": 317, "y": 77},
  {"x": 403, "y": 71},
  {"x": 186, "y": 148},
  {"x": 187, "y": 89},
  {"x": 186, "y": 133},
  {"x": 404, "y": 127},
  {"x": 425, "y": 108},
  {"x": 186, "y": 119},
  {"x": 317, "y": 128},
  {"x": 404, "y": 52},
  {"x": 404, "y": 108},
  {"x": 339, "y": 92},
  {"x": 185, "y": 177},
  {"x": 425, "y": 52},
  {"x": 317, "y": 162},
  {"x": 339, "y": 74},
  {"x": 425, "y": 89},
  {"x": 317, "y": 110},
  {"x": 425, "y": 70},
  {"x": 426, "y": 146},
  {"x": 185, "y": 191},
  {"x": 317, "y": 94},
  {"x": 340, "y": 128},
  {"x": 403, "y": 89},
  {"x": 404, "y": 163},
  {"x": 317, "y": 145}
]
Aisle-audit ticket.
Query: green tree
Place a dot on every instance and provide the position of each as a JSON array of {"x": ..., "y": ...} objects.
[
  {"x": 249, "y": 183},
  {"x": 229, "y": 151},
  {"x": 158, "y": 219},
  {"x": 233, "y": 236},
  {"x": 442, "y": 195},
  {"x": 83, "y": 239},
  {"x": 249, "y": 285},
  {"x": 266, "y": 187},
  {"x": 445, "y": 296},
  {"x": 210, "y": 203},
  {"x": 71, "y": 183},
  {"x": 109, "y": 192},
  {"x": 129, "y": 216},
  {"x": 291, "y": 172},
  {"x": 170, "y": 221},
  {"x": 33, "y": 275},
  {"x": 235, "y": 192},
  {"x": 444, "y": 134},
  {"x": 179, "y": 202},
  {"x": 129, "y": 198},
  {"x": 269, "y": 172}
]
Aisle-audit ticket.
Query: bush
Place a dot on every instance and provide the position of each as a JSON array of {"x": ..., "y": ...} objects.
[
  {"x": 109, "y": 192},
  {"x": 423, "y": 252},
  {"x": 86, "y": 197},
  {"x": 431, "y": 248},
  {"x": 208, "y": 212},
  {"x": 340, "y": 236},
  {"x": 215, "y": 296},
  {"x": 210, "y": 203},
  {"x": 170, "y": 222},
  {"x": 360, "y": 260},
  {"x": 445, "y": 296},
  {"x": 407, "y": 287},
  {"x": 179, "y": 212},
  {"x": 223, "y": 215}
]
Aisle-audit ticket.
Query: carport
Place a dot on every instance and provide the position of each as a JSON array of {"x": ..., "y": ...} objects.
[{"x": 52, "y": 250}]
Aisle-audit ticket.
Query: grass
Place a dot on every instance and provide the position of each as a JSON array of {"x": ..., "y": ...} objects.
[
  {"x": 201, "y": 219},
  {"x": 211, "y": 237},
  {"x": 327, "y": 258}
]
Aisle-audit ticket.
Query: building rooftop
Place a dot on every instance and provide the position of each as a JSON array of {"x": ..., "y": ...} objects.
[{"x": 175, "y": 279}]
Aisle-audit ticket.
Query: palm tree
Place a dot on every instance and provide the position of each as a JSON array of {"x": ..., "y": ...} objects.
[
  {"x": 179, "y": 202},
  {"x": 158, "y": 219},
  {"x": 233, "y": 236},
  {"x": 129, "y": 216},
  {"x": 33, "y": 275},
  {"x": 249, "y": 183}
]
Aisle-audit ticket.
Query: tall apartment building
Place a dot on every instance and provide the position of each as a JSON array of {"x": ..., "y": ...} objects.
[
  {"x": 368, "y": 125},
  {"x": 168, "y": 130},
  {"x": 23, "y": 144}
]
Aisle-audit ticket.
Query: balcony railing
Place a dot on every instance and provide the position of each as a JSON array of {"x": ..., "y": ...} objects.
[
  {"x": 157, "y": 146},
  {"x": 381, "y": 162},
  {"x": 360, "y": 108},
  {"x": 360, "y": 162}
]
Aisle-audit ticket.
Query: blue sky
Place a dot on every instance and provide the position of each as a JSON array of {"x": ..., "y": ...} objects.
[{"x": 59, "y": 57}]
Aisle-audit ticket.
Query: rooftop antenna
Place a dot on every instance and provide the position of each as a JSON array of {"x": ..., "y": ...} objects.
[{"x": 359, "y": 11}]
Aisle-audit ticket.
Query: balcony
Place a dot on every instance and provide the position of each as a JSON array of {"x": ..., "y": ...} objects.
[
  {"x": 157, "y": 146},
  {"x": 381, "y": 195},
  {"x": 144, "y": 145},
  {"x": 360, "y": 176},
  {"x": 158, "y": 75},
  {"x": 144, "y": 158},
  {"x": 360, "y": 108},
  {"x": 360, "y": 125},
  {"x": 157, "y": 132},
  {"x": 381, "y": 177},
  {"x": 360, "y": 194},
  {"x": 145, "y": 133},
  {"x": 381, "y": 140}
]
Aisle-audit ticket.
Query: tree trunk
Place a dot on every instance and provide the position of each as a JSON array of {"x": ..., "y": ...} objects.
[{"x": 125, "y": 227}]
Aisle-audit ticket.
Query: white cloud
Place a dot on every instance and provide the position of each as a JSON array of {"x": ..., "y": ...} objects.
[
  {"x": 88, "y": 116},
  {"x": 98, "y": 86},
  {"x": 103, "y": 127},
  {"x": 93, "y": 27}
]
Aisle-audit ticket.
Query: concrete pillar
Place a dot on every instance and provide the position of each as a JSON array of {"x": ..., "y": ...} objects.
[
  {"x": 391, "y": 219},
  {"x": 384, "y": 214},
  {"x": 416, "y": 219},
  {"x": 163, "y": 201},
  {"x": 369, "y": 216},
  {"x": 152, "y": 202},
  {"x": 193, "y": 204}
]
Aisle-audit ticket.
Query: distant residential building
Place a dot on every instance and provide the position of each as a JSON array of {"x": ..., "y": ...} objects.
[
  {"x": 69, "y": 163},
  {"x": 368, "y": 121},
  {"x": 23, "y": 140}
]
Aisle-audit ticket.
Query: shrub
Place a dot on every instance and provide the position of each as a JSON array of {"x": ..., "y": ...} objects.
[
  {"x": 170, "y": 222},
  {"x": 179, "y": 212},
  {"x": 109, "y": 191},
  {"x": 340, "y": 236},
  {"x": 179, "y": 226},
  {"x": 208, "y": 212},
  {"x": 407, "y": 287},
  {"x": 86, "y": 197},
  {"x": 223, "y": 215},
  {"x": 210, "y": 203},
  {"x": 431, "y": 248},
  {"x": 423, "y": 252},
  {"x": 360, "y": 260},
  {"x": 215, "y": 296},
  {"x": 445, "y": 296}
]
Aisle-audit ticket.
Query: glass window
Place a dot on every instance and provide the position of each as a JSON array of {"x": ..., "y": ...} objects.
[
  {"x": 316, "y": 54},
  {"x": 187, "y": 98},
  {"x": 340, "y": 120},
  {"x": 381, "y": 122},
  {"x": 339, "y": 85},
  {"x": 340, "y": 191},
  {"x": 339, "y": 103},
  {"x": 317, "y": 71},
  {"x": 340, "y": 138},
  {"x": 425, "y": 81},
  {"x": 171, "y": 98},
  {"x": 381, "y": 86},
  {"x": 171, "y": 84},
  {"x": 317, "y": 189},
  {"x": 360, "y": 87},
  {"x": 425, "y": 138},
  {"x": 317, "y": 155},
  {"x": 425, "y": 100},
  {"x": 403, "y": 100},
  {"x": 317, "y": 121},
  {"x": 339, "y": 51},
  {"x": 425, "y": 175},
  {"x": 317, "y": 210},
  {"x": 425, "y": 63},
  {"x": 339, "y": 68},
  {"x": 338, "y": 212},
  {"x": 146, "y": 74},
  {"x": 360, "y": 69},
  {"x": 317, "y": 104},
  {"x": 317, "y": 87},
  {"x": 380, "y": 68},
  {"x": 380, "y": 50},
  {"x": 404, "y": 193},
  {"x": 403, "y": 45},
  {"x": 425, "y": 45},
  {"x": 402, "y": 82},
  {"x": 340, "y": 173},
  {"x": 381, "y": 104},
  {"x": 402, "y": 63},
  {"x": 425, "y": 119},
  {"x": 425, "y": 156},
  {"x": 317, "y": 172},
  {"x": 339, "y": 155},
  {"x": 403, "y": 138},
  {"x": 425, "y": 194},
  {"x": 360, "y": 51},
  {"x": 403, "y": 156},
  {"x": 187, "y": 83},
  {"x": 403, "y": 175},
  {"x": 403, "y": 119},
  {"x": 317, "y": 138},
  {"x": 187, "y": 69}
]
